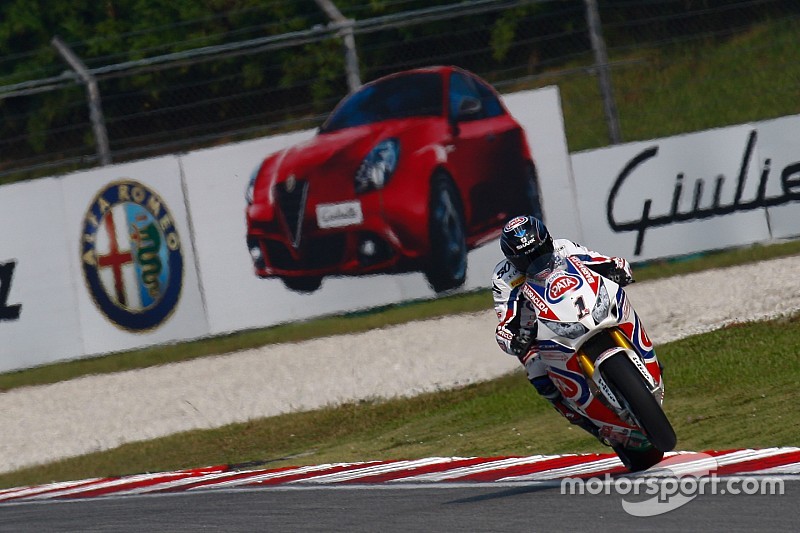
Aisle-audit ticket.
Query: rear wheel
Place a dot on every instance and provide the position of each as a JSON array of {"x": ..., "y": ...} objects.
[
  {"x": 447, "y": 267},
  {"x": 623, "y": 377}
]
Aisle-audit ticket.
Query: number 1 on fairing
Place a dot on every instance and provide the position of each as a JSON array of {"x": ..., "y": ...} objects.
[{"x": 581, "y": 305}]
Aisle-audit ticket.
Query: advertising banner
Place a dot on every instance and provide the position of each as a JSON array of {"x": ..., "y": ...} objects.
[
  {"x": 109, "y": 264},
  {"x": 38, "y": 322},
  {"x": 680, "y": 195}
]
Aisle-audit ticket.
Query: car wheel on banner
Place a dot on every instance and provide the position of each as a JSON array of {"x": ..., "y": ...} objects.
[
  {"x": 448, "y": 266},
  {"x": 303, "y": 283}
]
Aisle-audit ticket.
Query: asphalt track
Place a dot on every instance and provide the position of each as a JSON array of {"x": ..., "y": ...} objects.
[
  {"x": 433, "y": 507},
  {"x": 742, "y": 490}
]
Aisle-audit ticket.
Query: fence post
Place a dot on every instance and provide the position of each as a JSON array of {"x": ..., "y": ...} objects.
[
  {"x": 349, "y": 40},
  {"x": 603, "y": 73},
  {"x": 93, "y": 95}
]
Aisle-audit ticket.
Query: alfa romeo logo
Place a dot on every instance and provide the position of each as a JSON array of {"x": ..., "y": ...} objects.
[{"x": 131, "y": 256}]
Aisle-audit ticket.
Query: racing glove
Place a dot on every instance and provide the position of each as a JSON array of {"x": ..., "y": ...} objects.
[
  {"x": 522, "y": 341},
  {"x": 616, "y": 270}
]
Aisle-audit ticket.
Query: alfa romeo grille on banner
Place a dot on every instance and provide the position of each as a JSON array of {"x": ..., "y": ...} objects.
[{"x": 131, "y": 256}]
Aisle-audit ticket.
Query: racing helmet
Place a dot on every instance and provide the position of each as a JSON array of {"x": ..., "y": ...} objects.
[{"x": 528, "y": 246}]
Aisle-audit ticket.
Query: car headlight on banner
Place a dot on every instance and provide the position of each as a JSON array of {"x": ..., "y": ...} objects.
[
  {"x": 378, "y": 166},
  {"x": 251, "y": 186}
]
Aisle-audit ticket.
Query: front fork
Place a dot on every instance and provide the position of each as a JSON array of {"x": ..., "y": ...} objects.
[{"x": 616, "y": 345}]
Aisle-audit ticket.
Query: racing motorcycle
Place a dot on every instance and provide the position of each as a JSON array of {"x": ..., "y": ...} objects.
[{"x": 599, "y": 356}]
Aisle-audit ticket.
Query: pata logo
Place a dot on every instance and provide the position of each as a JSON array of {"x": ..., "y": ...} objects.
[{"x": 561, "y": 286}]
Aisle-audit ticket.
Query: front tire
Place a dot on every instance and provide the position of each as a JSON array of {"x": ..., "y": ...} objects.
[
  {"x": 623, "y": 377},
  {"x": 638, "y": 460},
  {"x": 447, "y": 266}
]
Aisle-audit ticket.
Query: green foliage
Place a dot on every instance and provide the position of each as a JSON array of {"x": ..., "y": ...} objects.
[
  {"x": 710, "y": 81},
  {"x": 504, "y": 32},
  {"x": 686, "y": 88}
]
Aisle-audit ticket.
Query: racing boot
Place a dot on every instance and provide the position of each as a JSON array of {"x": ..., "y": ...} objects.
[{"x": 579, "y": 420}]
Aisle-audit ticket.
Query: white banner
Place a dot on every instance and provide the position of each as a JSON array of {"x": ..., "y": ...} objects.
[
  {"x": 38, "y": 321},
  {"x": 703, "y": 191}
]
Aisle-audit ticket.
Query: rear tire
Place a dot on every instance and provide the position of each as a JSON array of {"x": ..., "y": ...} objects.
[
  {"x": 447, "y": 266},
  {"x": 626, "y": 380}
]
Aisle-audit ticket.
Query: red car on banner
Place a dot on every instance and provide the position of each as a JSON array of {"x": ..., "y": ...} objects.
[{"x": 408, "y": 173}]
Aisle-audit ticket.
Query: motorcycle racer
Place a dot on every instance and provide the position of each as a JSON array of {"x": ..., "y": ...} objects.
[{"x": 530, "y": 251}]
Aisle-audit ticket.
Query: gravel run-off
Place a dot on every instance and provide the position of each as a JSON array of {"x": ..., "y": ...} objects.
[{"x": 93, "y": 413}]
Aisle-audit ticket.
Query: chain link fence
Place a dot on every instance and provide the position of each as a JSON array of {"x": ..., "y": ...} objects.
[{"x": 669, "y": 67}]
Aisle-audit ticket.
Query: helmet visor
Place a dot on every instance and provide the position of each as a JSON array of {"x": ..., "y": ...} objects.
[
  {"x": 534, "y": 261},
  {"x": 542, "y": 266},
  {"x": 541, "y": 261}
]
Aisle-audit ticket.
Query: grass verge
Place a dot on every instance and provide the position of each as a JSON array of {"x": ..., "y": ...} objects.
[{"x": 734, "y": 387}]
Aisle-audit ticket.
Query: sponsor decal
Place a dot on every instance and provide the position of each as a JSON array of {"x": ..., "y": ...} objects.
[
  {"x": 561, "y": 285},
  {"x": 571, "y": 384},
  {"x": 538, "y": 302},
  {"x": 607, "y": 392},
  {"x": 514, "y": 223},
  {"x": 586, "y": 272},
  {"x": 339, "y": 215},
  {"x": 8, "y": 312},
  {"x": 553, "y": 356},
  {"x": 131, "y": 256},
  {"x": 534, "y": 298},
  {"x": 505, "y": 269},
  {"x": 505, "y": 334}
]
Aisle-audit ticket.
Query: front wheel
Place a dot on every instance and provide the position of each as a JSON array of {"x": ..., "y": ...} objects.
[
  {"x": 638, "y": 460},
  {"x": 623, "y": 377}
]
